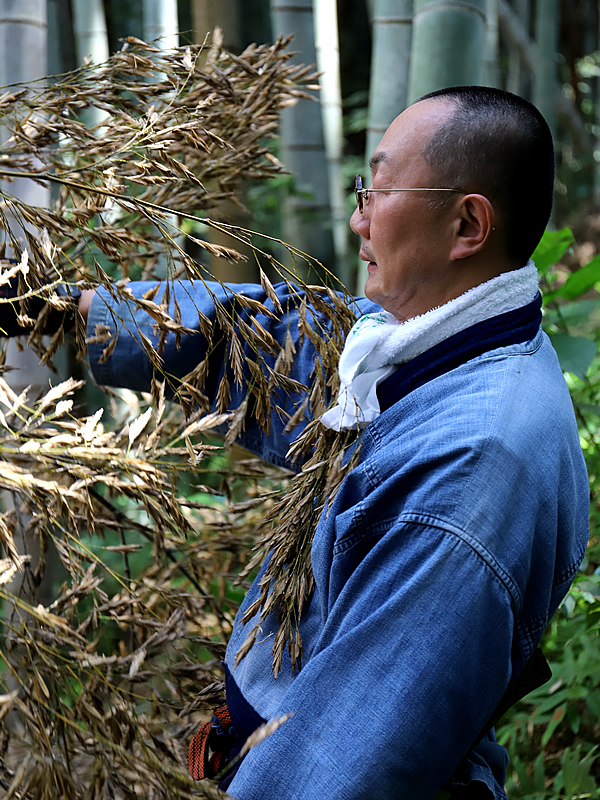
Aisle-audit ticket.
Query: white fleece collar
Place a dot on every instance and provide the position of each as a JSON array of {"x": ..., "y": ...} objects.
[{"x": 378, "y": 343}]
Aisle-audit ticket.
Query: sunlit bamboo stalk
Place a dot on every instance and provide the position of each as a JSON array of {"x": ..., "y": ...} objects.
[
  {"x": 91, "y": 42},
  {"x": 307, "y": 217},
  {"x": 328, "y": 63}
]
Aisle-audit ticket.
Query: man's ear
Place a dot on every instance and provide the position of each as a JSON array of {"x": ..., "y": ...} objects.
[{"x": 473, "y": 224}]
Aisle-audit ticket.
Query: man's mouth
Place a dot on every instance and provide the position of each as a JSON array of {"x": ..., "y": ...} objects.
[
  {"x": 372, "y": 264},
  {"x": 366, "y": 256}
]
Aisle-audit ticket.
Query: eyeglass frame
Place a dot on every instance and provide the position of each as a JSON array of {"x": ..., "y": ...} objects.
[{"x": 362, "y": 195}]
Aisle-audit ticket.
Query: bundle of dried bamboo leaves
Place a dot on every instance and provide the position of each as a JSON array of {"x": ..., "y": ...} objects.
[{"x": 104, "y": 684}]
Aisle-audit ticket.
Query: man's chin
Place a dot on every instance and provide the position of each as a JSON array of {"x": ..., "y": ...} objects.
[{"x": 372, "y": 289}]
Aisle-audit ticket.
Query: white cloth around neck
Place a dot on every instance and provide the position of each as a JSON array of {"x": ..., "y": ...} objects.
[{"x": 378, "y": 343}]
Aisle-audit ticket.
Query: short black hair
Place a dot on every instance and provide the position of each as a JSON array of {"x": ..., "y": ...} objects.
[{"x": 499, "y": 145}]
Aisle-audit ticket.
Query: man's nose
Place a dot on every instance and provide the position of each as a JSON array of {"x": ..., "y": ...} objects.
[{"x": 359, "y": 223}]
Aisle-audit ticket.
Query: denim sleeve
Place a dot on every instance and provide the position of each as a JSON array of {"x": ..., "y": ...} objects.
[
  {"x": 412, "y": 659},
  {"x": 128, "y": 365}
]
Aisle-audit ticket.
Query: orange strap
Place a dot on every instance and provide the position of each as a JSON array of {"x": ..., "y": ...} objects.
[{"x": 208, "y": 751}]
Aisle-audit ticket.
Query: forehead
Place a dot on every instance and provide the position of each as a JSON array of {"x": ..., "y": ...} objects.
[{"x": 404, "y": 140}]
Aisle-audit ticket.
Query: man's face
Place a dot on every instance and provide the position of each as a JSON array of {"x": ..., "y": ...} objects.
[{"x": 404, "y": 240}]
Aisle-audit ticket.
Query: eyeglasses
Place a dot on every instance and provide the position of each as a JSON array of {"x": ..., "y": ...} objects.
[{"x": 362, "y": 195}]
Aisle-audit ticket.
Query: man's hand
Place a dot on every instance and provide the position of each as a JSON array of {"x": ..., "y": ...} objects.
[{"x": 85, "y": 301}]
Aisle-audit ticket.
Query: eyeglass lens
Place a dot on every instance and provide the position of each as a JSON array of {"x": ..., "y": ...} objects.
[{"x": 358, "y": 190}]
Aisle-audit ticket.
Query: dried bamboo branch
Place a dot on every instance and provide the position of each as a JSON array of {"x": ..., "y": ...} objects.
[{"x": 108, "y": 681}]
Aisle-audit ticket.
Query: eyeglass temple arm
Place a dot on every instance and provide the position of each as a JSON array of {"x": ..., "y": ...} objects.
[{"x": 414, "y": 189}]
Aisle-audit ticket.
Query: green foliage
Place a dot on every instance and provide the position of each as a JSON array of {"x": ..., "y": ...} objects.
[
  {"x": 553, "y": 734},
  {"x": 581, "y": 281},
  {"x": 552, "y": 247},
  {"x": 575, "y": 353}
]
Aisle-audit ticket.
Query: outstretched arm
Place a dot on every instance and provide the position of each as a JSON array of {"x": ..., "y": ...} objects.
[{"x": 272, "y": 348}]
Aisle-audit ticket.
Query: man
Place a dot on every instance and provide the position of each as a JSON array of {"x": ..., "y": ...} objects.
[{"x": 451, "y": 543}]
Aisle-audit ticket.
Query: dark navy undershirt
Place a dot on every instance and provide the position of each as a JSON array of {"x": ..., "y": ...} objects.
[
  {"x": 514, "y": 327},
  {"x": 244, "y": 719}
]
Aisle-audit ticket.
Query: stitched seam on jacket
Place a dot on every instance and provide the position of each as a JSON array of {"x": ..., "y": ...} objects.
[
  {"x": 373, "y": 429},
  {"x": 527, "y": 632},
  {"x": 567, "y": 575},
  {"x": 368, "y": 531},
  {"x": 526, "y": 636},
  {"x": 434, "y": 522},
  {"x": 532, "y": 627},
  {"x": 347, "y": 543}
]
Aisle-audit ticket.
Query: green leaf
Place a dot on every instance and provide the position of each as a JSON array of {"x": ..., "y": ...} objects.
[
  {"x": 574, "y": 775},
  {"x": 557, "y": 718},
  {"x": 587, "y": 407},
  {"x": 576, "y": 313},
  {"x": 568, "y": 605},
  {"x": 573, "y": 717},
  {"x": 552, "y": 247},
  {"x": 575, "y": 692},
  {"x": 552, "y": 702},
  {"x": 575, "y": 354},
  {"x": 525, "y": 781},
  {"x": 581, "y": 281},
  {"x": 593, "y": 702},
  {"x": 539, "y": 773}
]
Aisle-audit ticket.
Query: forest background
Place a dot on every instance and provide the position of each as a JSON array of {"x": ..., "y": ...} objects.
[{"x": 126, "y": 525}]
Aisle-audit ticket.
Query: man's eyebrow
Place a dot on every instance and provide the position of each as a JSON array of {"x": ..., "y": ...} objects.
[{"x": 377, "y": 159}]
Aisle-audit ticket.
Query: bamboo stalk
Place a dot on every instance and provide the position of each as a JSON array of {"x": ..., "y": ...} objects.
[
  {"x": 91, "y": 42},
  {"x": 448, "y": 45},
  {"x": 490, "y": 64},
  {"x": 89, "y": 27},
  {"x": 515, "y": 33},
  {"x": 392, "y": 35},
  {"x": 307, "y": 211},
  {"x": 515, "y": 79},
  {"x": 225, "y": 14},
  {"x": 161, "y": 26},
  {"x": 545, "y": 73},
  {"x": 328, "y": 63},
  {"x": 23, "y": 57}
]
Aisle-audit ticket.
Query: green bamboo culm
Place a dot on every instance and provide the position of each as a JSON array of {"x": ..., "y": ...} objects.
[
  {"x": 392, "y": 33},
  {"x": 516, "y": 80},
  {"x": 491, "y": 76},
  {"x": 448, "y": 45},
  {"x": 545, "y": 75},
  {"x": 303, "y": 146}
]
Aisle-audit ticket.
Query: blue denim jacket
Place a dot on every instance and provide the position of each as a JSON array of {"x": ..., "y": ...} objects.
[{"x": 445, "y": 553}]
